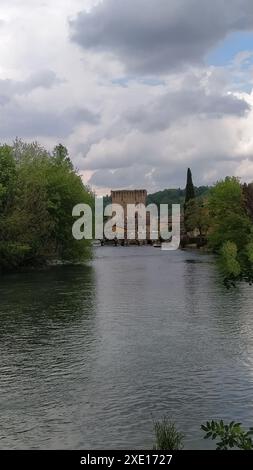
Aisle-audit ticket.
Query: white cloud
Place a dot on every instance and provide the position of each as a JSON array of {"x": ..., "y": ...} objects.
[{"x": 134, "y": 128}]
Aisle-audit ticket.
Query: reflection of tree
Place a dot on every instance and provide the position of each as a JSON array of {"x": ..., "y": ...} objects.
[
  {"x": 47, "y": 345},
  {"x": 34, "y": 305},
  {"x": 207, "y": 296},
  {"x": 191, "y": 284}
]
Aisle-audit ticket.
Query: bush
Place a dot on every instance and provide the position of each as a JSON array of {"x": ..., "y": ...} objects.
[
  {"x": 229, "y": 262},
  {"x": 167, "y": 436},
  {"x": 12, "y": 255}
]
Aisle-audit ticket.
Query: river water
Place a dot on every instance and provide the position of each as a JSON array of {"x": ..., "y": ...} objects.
[{"x": 92, "y": 355}]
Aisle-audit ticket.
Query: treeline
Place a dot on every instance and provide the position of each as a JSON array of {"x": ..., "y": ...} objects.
[
  {"x": 174, "y": 196},
  {"x": 38, "y": 191},
  {"x": 224, "y": 219},
  {"x": 168, "y": 196}
]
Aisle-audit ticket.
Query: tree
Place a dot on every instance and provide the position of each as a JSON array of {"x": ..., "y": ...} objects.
[
  {"x": 230, "y": 221},
  {"x": 7, "y": 176},
  {"x": 197, "y": 216},
  {"x": 231, "y": 230},
  {"x": 65, "y": 190},
  {"x": 61, "y": 156},
  {"x": 189, "y": 191},
  {"x": 248, "y": 199},
  {"x": 37, "y": 194},
  {"x": 232, "y": 436}
]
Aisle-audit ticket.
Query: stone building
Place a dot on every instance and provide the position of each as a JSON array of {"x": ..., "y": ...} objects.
[
  {"x": 139, "y": 196},
  {"x": 125, "y": 197},
  {"x": 136, "y": 196}
]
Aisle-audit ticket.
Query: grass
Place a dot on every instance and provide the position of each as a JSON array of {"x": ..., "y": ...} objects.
[{"x": 167, "y": 436}]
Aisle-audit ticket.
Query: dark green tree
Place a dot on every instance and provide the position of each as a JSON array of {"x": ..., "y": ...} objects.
[
  {"x": 248, "y": 199},
  {"x": 189, "y": 191}
]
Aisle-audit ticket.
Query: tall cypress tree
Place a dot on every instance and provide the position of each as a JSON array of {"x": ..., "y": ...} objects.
[{"x": 189, "y": 191}]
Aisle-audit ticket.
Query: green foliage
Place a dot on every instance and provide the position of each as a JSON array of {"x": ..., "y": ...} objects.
[
  {"x": 61, "y": 156},
  {"x": 248, "y": 199},
  {"x": 7, "y": 176},
  {"x": 174, "y": 196},
  {"x": 189, "y": 191},
  {"x": 167, "y": 436},
  {"x": 197, "y": 216},
  {"x": 231, "y": 436},
  {"x": 37, "y": 194},
  {"x": 231, "y": 230},
  {"x": 249, "y": 252},
  {"x": 12, "y": 255},
  {"x": 229, "y": 261},
  {"x": 229, "y": 219}
]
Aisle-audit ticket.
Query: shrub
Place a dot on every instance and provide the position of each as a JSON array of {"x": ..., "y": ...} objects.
[{"x": 167, "y": 436}]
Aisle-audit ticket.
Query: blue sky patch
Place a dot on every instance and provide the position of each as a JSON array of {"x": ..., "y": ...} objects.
[{"x": 229, "y": 48}]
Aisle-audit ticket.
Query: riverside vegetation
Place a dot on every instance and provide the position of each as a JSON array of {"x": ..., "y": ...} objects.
[
  {"x": 38, "y": 191},
  {"x": 222, "y": 216},
  {"x": 224, "y": 219},
  {"x": 229, "y": 436}
]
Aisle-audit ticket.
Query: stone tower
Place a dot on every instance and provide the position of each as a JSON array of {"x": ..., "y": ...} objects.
[
  {"x": 137, "y": 196},
  {"x": 125, "y": 197}
]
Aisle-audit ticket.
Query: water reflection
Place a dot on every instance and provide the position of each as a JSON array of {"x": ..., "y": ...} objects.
[
  {"x": 90, "y": 355},
  {"x": 46, "y": 343}
]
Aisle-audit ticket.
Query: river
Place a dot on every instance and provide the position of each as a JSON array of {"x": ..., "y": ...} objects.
[{"x": 92, "y": 355}]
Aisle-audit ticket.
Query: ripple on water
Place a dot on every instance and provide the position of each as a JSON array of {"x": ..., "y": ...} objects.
[{"x": 91, "y": 355}]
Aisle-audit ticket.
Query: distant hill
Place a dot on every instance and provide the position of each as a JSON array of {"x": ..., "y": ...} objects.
[
  {"x": 168, "y": 196},
  {"x": 174, "y": 196}
]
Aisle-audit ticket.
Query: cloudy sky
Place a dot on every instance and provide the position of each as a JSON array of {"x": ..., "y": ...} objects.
[{"x": 138, "y": 90}]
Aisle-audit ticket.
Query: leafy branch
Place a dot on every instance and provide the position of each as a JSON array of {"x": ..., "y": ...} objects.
[{"x": 231, "y": 435}]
